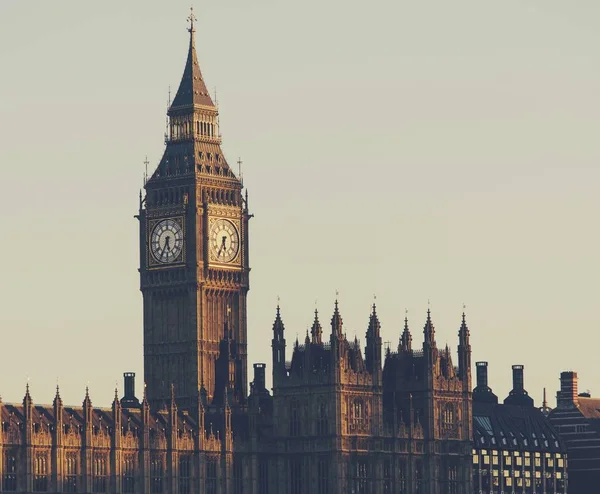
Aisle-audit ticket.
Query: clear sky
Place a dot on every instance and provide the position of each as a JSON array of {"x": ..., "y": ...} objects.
[{"x": 418, "y": 150}]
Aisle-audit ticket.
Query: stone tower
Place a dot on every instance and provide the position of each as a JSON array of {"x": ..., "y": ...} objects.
[{"x": 194, "y": 257}]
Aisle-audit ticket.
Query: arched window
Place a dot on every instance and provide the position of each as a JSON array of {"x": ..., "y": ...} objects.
[
  {"x": 40, "y": 479},
  {"x": 70, "y": 482},
  {"x": 9, "y": 482},
  {"x": 129, "y": 474},
  {"x": 156, "y": 475},
  {"x": 99, "y": 473}
]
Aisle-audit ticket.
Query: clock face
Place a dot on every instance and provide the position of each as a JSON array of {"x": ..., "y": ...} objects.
[
  {"x": 166, "y": 241},
  {"x": 224, "y": 240}
]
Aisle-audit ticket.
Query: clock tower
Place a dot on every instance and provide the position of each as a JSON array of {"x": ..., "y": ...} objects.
[{"x": 194, "y": 258}]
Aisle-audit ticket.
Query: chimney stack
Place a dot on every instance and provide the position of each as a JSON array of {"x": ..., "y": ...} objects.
[
  {"x": 129, "y": 400},
  {"x": 567, "y": 396},
  {"x": 483, "y": 393},
  {"x": 259, "y": 378},
  {"x": 518, "y": 379},
  {"x": 518, "y": 396},
  {"x": 482, "y": 374}
]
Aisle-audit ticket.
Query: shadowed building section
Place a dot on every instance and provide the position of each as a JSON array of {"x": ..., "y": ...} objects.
[
  {"x": 577, "y": 420},
  {"x": 515, "y": 447}
]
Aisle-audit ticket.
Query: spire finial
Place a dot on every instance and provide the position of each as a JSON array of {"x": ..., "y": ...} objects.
[{"x": 192, "y": 19}]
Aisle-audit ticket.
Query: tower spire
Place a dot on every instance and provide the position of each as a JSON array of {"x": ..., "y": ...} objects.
[
  {"x": 429, "y": 331},
  {"x": 406, "y": 338},
  {"x": 192, "y": 89},
  {"x": 316, "y": 330}
]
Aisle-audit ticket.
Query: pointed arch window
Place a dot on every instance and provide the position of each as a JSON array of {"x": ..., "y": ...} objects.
[
  {"x": 156, "y": 474},
  {"x": 41, "y": 471},
  {"x": 185, "y": 474},
  {"x": 211, "y": 476},
  {"x": 9, "y": 481},
  {"x": 71, "y": 471},
  {"x": 129, "y": 463},
  {"x": 100, "y": 472}
]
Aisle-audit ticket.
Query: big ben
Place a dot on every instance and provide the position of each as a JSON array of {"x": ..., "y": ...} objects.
[{"x": 194, "y": 258}]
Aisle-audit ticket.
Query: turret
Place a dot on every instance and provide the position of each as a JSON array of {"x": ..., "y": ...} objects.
[
  {"x": 405, "y": 339},
  {"x": 117, "y": 419},
  {"x": 28, "y": 415},
  {"x": 373, "y": 349},
  {"x": 464, "y": 353},
  {"x": 278, "y": 348},
  {"x": 57, "y": 404},
  {"x": 428, "y": 333},
  {"x": 316, "y": 330}
]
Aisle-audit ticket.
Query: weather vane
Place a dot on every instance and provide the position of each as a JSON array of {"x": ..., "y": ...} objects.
[{"x": 192, "y": 19}]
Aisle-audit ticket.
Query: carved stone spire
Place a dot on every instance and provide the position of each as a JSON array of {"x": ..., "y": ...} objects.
[
  {"x": 336, "y": 322},
  {"x": 316, "y": 330},
  {"x": 405, "y": 338},
  {"x": 429, "y": 332}
]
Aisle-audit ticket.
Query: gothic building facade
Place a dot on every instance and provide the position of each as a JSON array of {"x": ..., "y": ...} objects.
[{"x": 339, "y": 419}]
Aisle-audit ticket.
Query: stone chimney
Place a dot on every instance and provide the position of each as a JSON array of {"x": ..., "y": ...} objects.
[
  {"x": 259, "y": 378},
  {"x": 482, "y": 392},
  {"x": 129, "y": 400},
  {"x": 567, "y": 396}
]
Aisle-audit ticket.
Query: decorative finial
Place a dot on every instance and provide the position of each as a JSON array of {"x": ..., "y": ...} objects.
[{"x": 192, "y": 19}]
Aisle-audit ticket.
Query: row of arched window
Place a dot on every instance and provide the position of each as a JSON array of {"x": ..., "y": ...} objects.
[{"x": 181, "y": 129}]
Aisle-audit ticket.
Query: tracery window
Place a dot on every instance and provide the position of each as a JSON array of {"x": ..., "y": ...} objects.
[
  {"x": 322, "y": 476},
  {"x": 296, "y": 476},
  {"x": 129, "y": 474},
  {"x": 322, "y": 428},
  {"x": 452, "y": 479},
  {"x": 358, "y": 416},
  {"x": 9, "y": 482},
  {"x": 99, "y": 473},
  {"x": 211, "y": 476},
  {"x": 402, "y": 477},
  {"x": 185, "y": 474},
  {"x": 70, "y": 480},
  {"x": 294, "y": 419},
  {"x": 387, "y": 477},
  {"x": 40, "y": 475},
  {"x": 238, "y": 475},
  {"x": 360, "y": 477},
  {"x": 156, "y": 474},
  {"x": 263, "y": 475},
  {"x": 419, "y": 488}
]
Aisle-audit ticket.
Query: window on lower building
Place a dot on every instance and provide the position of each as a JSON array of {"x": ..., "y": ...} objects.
[
  {"x": 185, "y": 474},
  {"x": 40, "y": 474},
  {"x": 263, "y": 475},
  {"x": 129, "y": 463},
  {"x": 359, "y": 476},
  {"x": 9, "y": 481},
  {"x": 387, "y": 477},
  {"x": 296, "y": 476},
  {"x": 238, "y": 475},
  {"x": 211, "y": 476},
  {"x": 71, "y": 471},
  {"x": 156, "y": 475},
  {"x": 99, "y": 473},
  {"x": 322, "y": 476}
]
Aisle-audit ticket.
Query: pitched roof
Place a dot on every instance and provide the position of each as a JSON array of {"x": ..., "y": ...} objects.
[{"x": 511, "y": 427}]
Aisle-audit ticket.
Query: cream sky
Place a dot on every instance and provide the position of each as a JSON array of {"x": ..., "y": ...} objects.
[{"x": 441, "y": 150}]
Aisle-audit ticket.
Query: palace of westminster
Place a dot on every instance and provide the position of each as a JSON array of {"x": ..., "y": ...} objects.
[{"x": 340, "y": 418}]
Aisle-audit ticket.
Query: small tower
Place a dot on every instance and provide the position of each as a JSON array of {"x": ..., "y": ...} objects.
[
  {"x": 373, "y": 349},
  {"x": 405, "y": 338},
  {"x": 428, "y": 333},
  {"x": 464, "y": 353},
  {"x": 278, "y": 348},
  {"x": 316, "y": 330}
]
